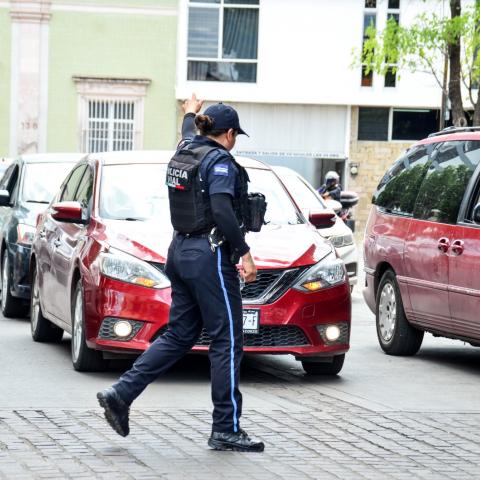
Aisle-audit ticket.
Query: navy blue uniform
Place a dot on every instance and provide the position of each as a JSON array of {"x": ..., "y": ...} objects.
[{"x": 205, "y": 293}]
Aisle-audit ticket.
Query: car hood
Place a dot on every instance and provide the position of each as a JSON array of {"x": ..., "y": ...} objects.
[{"x": 276, "y": 246}]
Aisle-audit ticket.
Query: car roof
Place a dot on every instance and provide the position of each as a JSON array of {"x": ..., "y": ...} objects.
[
  {"x": 282, "y": 170},
  {"x": 449, "y": 137},
  {"x": 52, "y": 157},
  {"x": 160, "y": 156}
]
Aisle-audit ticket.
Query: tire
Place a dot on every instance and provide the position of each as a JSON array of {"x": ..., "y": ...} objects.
[
  {"x": 11, "y": 306},
  {"x": 324, "y": 368},
  {"x": 84, "y": 359},
  {"x": 395, "y": 335},
  {"x": 43, "y": 330}
]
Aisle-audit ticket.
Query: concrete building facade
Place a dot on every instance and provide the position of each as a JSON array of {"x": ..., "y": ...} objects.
[
  {"x": 287, "y": 68},
  {"x": 87, "y": 75}
]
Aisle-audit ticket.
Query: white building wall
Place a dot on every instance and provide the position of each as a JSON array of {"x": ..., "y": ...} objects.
[{"x": 305, "y": 57}]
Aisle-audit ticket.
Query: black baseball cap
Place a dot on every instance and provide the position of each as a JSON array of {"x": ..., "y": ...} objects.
[{"x": 224, "y": 117}]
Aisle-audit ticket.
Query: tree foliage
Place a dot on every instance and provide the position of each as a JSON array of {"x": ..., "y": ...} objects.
[{"x": 423, "y": 46}]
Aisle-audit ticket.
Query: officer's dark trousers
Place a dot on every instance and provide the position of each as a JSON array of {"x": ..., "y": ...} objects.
[{"x": 205, "y": 292}]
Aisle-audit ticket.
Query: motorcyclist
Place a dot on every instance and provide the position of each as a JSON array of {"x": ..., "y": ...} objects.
[{"x": 331, "y": 189}]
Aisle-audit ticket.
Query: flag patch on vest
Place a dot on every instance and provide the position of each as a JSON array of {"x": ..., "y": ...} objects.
[{"x": 221, "y": 169}]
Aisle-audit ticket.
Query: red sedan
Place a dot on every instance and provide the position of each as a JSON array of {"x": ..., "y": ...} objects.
[{"x": 98, "y": 261}]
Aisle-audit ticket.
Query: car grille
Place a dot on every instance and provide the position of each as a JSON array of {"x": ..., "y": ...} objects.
[
  {"x": 351, "y": 269},
  {"x": 269, "y": 286},
  {"x": 268, "y": 336}
]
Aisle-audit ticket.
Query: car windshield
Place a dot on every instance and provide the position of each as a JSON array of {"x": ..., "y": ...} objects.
[
  {"x": 138, "y": 192},
  {"x": 301, "y": 193},
  {"x": 42, "y": 180}
]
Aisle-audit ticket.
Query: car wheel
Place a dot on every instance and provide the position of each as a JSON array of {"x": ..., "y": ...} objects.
[
  {"x": 395, "y": 335},
  {"x": 324, "y": 368},
  {"x": 11, "y": 306},
  {"x": 42, "y": 329},
  {"x": 84, "y": 359}
]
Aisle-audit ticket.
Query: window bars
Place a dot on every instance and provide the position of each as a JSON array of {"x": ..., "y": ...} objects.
[{"x": 109, "y": 125}]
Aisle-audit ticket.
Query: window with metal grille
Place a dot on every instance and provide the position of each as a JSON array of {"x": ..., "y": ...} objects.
[{"x": 110, "y": 126}]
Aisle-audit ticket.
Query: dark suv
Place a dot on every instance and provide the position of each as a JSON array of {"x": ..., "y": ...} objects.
[
  {"x": 422, "y": 244},
  {"x": 26, "y": 188}
]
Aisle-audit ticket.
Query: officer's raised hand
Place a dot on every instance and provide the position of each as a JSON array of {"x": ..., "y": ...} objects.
[{"x": 192, "y": 105}]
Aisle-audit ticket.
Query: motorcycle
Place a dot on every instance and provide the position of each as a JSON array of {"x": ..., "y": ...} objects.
[
  {"x": 348, "y": 200},
  {"x": 344, "y": 208}
]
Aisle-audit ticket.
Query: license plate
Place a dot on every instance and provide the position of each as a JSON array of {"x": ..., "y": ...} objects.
[{"x": 251, "y": 321}]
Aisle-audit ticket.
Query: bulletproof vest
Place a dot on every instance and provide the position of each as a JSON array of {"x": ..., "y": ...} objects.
[{"x": 189, "y": 205}]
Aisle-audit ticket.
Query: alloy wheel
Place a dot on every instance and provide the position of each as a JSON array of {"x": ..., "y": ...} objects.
[
  {"x": 387, "y": 312},
  {"x": 77, "y": 326}
]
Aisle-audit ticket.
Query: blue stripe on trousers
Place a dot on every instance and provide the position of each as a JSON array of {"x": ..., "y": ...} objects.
[{"x": 232, "y": 341}]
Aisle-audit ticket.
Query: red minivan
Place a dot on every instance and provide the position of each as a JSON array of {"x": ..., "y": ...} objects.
[
  {"x": 99, "y": 254},
  {"x": 422, "y": 244}
]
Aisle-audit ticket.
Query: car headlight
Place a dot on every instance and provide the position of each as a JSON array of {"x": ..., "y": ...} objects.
[
  {"x": 341, "y": 240},
  {"x": 328, "y": 272},
  {"x": 127, "y": 268},
  {"x": 25, "y": 234}
]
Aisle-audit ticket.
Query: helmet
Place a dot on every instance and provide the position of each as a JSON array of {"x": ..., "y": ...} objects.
[{"x": 332, "y": 175}]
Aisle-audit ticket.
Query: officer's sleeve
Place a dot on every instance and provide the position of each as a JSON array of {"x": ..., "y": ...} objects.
[
  {"x": 221, "y": 176},
  {"x": 188, "y": 130},
  {"x": 226, "y": 221}
]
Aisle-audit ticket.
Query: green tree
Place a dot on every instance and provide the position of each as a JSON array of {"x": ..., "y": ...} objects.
[{"x": 445, "y": 46}]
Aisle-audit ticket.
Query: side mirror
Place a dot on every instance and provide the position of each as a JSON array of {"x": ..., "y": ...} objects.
[
  {"x": 69, "y": 212},
  {"x": 322, "y": 219},
  {"x": 4, "y": 198},
  {"x": 476, "y": 214}
]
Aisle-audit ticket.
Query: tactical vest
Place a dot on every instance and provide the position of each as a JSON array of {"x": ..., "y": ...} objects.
[{"x": 190, "y": 210}]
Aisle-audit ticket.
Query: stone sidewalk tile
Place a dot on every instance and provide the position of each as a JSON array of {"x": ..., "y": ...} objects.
[{"x": 328, "y": 440}]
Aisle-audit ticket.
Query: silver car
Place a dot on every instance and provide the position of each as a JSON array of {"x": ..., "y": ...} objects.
[{"x": 307, "y": 198}]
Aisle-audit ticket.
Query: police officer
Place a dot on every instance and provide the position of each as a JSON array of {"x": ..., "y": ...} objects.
[{"x": 204, "y": 279}]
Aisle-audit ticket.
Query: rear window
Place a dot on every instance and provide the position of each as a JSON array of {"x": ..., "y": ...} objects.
[
  {"x": 448, "y": 175},
  {"x": 398, "y": 189}
]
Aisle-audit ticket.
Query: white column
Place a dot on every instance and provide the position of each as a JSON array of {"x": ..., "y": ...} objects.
[{"x": 29, "y": 90}]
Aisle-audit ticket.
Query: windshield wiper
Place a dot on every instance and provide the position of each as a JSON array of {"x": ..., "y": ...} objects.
[
  {"x": 38, "y": 201},
  {"x": 130, "y": 219}
]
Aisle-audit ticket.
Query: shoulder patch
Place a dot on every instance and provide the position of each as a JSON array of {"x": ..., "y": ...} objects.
[{"x": 221, "y": 169}]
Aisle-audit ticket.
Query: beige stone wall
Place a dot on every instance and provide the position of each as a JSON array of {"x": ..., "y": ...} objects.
[{"x": 373, "y": 159}]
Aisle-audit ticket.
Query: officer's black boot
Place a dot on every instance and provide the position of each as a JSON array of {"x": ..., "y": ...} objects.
[
  {"x": 116, "y": 410},
  {"x": 238, "y": 442}
]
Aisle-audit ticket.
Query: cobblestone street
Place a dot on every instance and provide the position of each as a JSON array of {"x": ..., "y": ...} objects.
[{"x": 334, "y": 441}]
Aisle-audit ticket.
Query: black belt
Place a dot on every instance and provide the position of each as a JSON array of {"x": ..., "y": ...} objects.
[{"x": 193, "y": 235}]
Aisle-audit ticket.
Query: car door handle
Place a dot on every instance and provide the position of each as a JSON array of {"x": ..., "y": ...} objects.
[
  {"x": 57, "y": 243},
  {"x": 443, "y": 244},
  {"x": 457, "y": 247}
]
